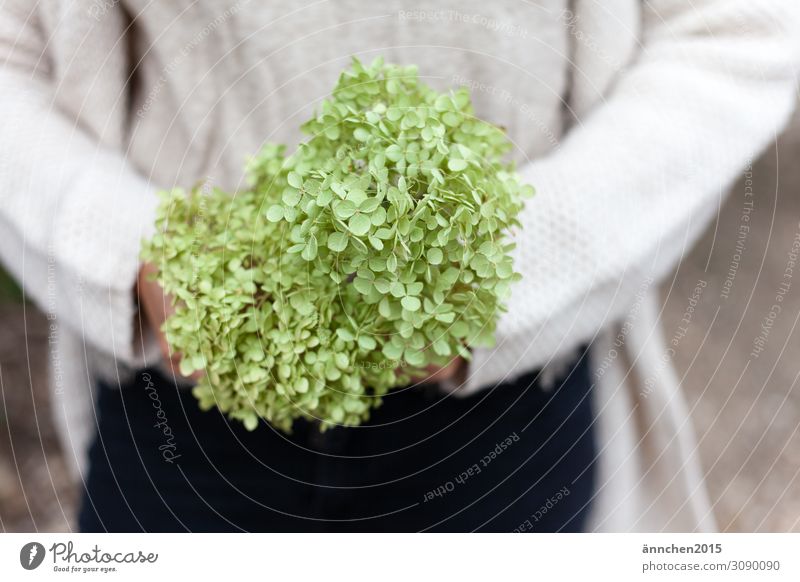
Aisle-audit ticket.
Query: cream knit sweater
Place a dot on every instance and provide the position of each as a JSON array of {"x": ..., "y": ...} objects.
[{"x": 631, "y": 119}]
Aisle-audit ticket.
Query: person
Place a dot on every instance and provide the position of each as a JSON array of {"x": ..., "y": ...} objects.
[{"x": 628, "y": 117}]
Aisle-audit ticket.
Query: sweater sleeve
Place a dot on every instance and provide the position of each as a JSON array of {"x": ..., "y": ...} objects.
[
  {"x": 634, "y": 184},
  {"x": 72, "y": 213}
]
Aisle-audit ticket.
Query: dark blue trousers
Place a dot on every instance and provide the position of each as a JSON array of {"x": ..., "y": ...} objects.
[{"x": 510, "y": 458}]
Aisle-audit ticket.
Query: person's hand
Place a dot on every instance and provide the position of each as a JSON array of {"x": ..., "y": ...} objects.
[
  {"x": 454, "y": 371},
  {"x": 156, "y": 307}
]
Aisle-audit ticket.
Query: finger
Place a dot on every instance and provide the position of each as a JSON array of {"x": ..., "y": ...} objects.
[
  {"x": 158, "y": 307},
  {"x": 439, "y": 374}
]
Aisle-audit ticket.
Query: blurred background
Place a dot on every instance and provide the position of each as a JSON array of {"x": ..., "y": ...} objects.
[{"x": 717, "y": 309}]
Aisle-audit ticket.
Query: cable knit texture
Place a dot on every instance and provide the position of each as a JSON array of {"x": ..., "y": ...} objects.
[{"x": 630, "y": 118}]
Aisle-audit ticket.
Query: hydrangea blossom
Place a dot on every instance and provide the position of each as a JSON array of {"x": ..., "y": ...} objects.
[{"x": 378, "y": 247}]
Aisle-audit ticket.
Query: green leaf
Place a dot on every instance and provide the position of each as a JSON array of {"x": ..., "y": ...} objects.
[
  {"x": 369, "y": 205},
  {"x": 302, "y": 386},
  {"x": 361, "y": 134},
  {"x": 291, "y": 197},
  {"x": 310, "y": 252},
  {"x": 294, "y": 180},
  {"x": 358, "y": 197},
  {"x": 393, "y": 351},
  {"x": 456, "y": 165},
  {"x": 414, "y": 357},
  {"x": 359, "y": 224},
  {"x": 411, "y": 303},
  {"x": 378, "y": 216},
  {"x": 394, "y": 153},
  {"x": 345, "y": 334},
  {"x": 367, "y": 342},
  {"x": 362, "y": 285},
  {"x": 435, "y": 256},
  {"x": 337, "y": 241},
  {"x": 384, "y": 308},
  {"x": 344, "y": 209},
  {"x": 275, "y": 213},
  {"x": 442, "y": 348},
  {"x": 397, "y": 289},
  {"x": 414, "y": 288},
  {"x": 251, "y": 422}
]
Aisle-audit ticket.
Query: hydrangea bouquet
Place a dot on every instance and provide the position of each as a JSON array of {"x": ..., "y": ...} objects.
[{"x": 378, "y": 247}]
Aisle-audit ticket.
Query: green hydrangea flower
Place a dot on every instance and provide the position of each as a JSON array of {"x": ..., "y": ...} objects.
[{"x": 375, "y": 249}]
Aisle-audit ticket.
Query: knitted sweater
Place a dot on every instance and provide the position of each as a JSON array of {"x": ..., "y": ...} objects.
[{"x": 630, "y": 118}]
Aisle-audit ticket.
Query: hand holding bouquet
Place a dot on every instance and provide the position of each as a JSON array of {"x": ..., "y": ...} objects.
[{"x": 377, "y": 248}]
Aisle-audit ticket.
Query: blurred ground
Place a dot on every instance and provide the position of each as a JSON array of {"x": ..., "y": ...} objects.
[
  {"x": 35, "y": 491},
  {"x": 746, "y": 409}
]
